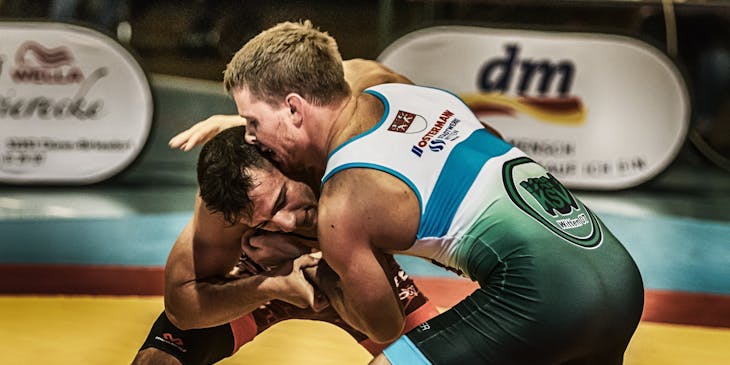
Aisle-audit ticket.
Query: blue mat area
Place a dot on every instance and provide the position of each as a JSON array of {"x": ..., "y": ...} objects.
[
  {"x": 135, "y": 240},
  {"x": 672, "y": 253}
]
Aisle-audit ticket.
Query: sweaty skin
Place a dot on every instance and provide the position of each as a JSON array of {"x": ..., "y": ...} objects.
[
  {"x": 190, "y": 299},
  {"x": 386, "y": 204},
  {"x": 198, "y": 291},
  {"x": 359, "y": 73},
  {"x": 468, "y": 201}
]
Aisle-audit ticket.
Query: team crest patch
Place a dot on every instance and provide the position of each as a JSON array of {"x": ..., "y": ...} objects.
[
  {"x": 539, "y": 194},
  {"x": 402, "y": 122}
]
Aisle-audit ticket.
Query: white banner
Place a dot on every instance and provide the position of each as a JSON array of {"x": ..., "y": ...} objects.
[
  {"x": 598, "y": 111},
  {"x": 75, "y": 106}
]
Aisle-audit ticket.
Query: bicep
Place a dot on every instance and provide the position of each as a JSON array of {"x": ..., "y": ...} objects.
[{"x": 346, "y": 244}]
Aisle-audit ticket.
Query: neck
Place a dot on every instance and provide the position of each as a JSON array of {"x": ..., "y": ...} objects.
[{"x": 334, "y": 119}]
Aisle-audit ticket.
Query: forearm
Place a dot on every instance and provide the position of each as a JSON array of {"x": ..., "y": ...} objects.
[
  {"x": 381, "y": 326},
  {"x": 207, "y": 303}
]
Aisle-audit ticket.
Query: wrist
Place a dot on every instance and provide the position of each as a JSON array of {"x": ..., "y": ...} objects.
[{"x": 273, "y": 286}]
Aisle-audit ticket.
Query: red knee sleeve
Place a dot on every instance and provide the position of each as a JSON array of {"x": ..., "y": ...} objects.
[{"x": 244, "y": 330}]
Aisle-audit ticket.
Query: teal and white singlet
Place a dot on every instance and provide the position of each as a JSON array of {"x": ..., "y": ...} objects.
[{"x": 555, "y": 285}]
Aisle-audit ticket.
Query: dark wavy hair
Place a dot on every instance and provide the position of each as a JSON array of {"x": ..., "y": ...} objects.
[{"x": 223, "y": 176}]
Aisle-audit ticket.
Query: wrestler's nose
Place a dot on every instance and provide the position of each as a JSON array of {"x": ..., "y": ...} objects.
[
  {"x": 250, "y": 138},
  {"x": 285, "y": 220}
]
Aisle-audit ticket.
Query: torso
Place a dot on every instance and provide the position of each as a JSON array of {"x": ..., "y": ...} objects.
[
  {"x": 403, "y": 177},
  {"x": 437, "y": 185},
  {"x": 460, "y": 185}
]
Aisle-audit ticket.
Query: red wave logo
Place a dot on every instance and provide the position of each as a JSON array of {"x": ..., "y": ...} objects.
[
  {"x": 45, "y": 57},
  {"x": 40, "y": 65},
  {"x": 169, "y": 337},
  {"x": 569, "y": 111}
]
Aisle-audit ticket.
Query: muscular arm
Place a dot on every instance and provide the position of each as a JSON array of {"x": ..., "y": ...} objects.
[
  {"x": 198, "y": 292},
  {"x": 355, "y": 219},
  {"x": 204, "y": 131},
  {"x": 359, "y": 73}
]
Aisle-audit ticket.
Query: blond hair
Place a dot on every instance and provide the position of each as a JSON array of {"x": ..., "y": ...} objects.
[{"x": 289, "y": 57}]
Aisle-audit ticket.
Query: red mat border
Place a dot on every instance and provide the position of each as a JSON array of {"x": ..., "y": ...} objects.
[{"x": 690, "y": 308}]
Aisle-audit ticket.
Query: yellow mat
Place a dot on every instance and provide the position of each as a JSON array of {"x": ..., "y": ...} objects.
[{"x": 109, "y": 330}]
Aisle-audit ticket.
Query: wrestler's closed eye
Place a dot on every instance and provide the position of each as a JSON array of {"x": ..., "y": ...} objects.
[{"x": 278, "y": 205}]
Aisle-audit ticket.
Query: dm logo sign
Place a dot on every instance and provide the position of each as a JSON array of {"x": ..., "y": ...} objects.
[{"x": 539, "y": 194}]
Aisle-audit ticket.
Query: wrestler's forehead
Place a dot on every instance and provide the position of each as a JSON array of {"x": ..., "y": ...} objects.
[
  {"x": 265, "y": 175},
  {"x": 250, "y": 107},
  {"x": 263, "y": 193},
  {"x": 265, "y": 182}
]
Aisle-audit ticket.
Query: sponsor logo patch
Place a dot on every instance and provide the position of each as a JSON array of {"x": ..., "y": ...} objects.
[
  {"x": 444, "y": 130},
  {"x": 545, "y": 199},
  {"x": 436, "y": 145}
]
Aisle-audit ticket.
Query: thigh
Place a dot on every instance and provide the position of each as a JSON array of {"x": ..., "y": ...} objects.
[
  {"x": 462, "y": 335},
  {"x": 198, "y": 346},
  {"x": 482, "y": 329}
]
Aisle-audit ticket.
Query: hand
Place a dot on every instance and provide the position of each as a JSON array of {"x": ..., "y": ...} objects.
[
  {"x": 326, "y": 280},
  {"x": 204, "y": 131},
  {"x": 292, "y": 286},
  {"x": 270, "y": 249}
]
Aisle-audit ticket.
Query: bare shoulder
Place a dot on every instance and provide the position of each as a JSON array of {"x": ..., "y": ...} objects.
[
  {"x": 210, "y": 229},
  {"x": 362, "y": 74},
  {"x": 206, "y": 217},
  {"x": 370, "y": 203}
]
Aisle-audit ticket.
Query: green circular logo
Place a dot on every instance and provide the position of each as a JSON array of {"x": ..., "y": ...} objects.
[{"x": 539, "y": 194}]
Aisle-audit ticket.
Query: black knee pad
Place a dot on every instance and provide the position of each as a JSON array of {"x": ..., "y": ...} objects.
[{"x": 191, "y": 347}]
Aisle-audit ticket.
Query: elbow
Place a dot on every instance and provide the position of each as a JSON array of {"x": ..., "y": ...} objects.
[
  {"x": 179, "y": 319},
  {"x": 387, "y": 332},
  {"x": 386, "y": 339},
  {"x": 182, "y": 316}
]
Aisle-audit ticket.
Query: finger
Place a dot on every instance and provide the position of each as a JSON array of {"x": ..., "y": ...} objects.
[
  {"x": 203, "y": 135},
  {"x": 307, "y": 260},
  {"x": 249, "y": 250},
  {"x": 255, "y": 241},
  {"x": 320, "y": 302},
  {"x": 180, "y": 139},
  {"x": 311, "y": 274},
  {"x": 247, "y": 234},
  {"x": 191, "y": 143}
]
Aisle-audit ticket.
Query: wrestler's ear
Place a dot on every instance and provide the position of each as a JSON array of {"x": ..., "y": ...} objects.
[{"x": 296, "y": 105}]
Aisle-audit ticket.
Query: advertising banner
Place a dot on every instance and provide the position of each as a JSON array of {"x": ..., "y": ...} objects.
[
  {"x": 600, "y": 112},
  {"x": 75, "y": 106}
]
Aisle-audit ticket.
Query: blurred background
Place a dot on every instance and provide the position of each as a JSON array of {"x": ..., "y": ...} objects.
[
  {"x": 196, "y": 38},
  {"x": 65, "y": 240}
]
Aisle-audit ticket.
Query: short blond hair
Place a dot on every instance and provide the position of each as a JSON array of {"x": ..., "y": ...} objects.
[{"x": 289, "y": 57}]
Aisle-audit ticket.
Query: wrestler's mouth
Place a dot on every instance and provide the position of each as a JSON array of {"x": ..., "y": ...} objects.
[{"x": 268, "y": 152}]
